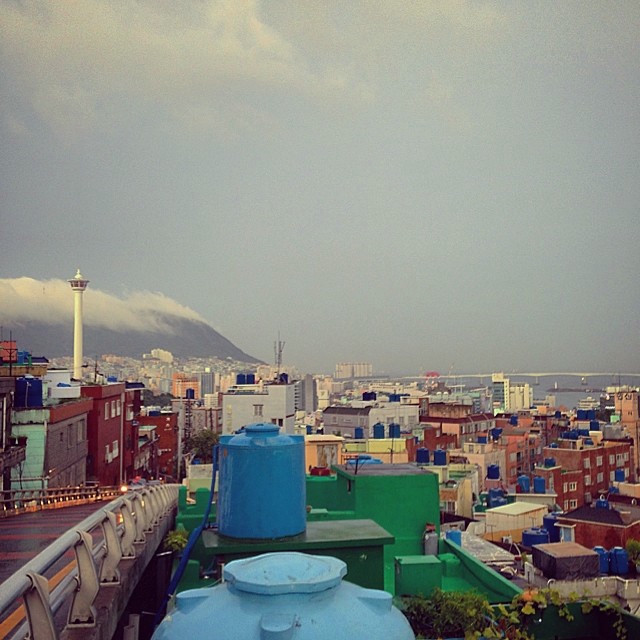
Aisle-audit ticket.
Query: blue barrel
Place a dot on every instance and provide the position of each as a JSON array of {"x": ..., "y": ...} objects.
[
  {"x": 309, "y": 429},
  {"x": 378, "y": 431},
  {"x": 394, "y": 397},
  {"x": 594, "y": 425},
  {"x": 539, "y": 484},
  {"x": 496, "y": 432},
  {"x": 262, "y": 484},
  {"x": 358, "y": 433},
  {"x": 549, "y": 462},
  {"x": 440, "y": 457},
  {"x": 493, "y": 472},
  {"x": 422, "y": 455},
  {"x": 549, "y": 523},
  {"x": 251, "y": 378},
  {"x": 603, "y": 559},
  {"x": 583, "y": 432},
  {"x": 581, "y": 414},
  {"x": 618, "y": 561},
  {"x": 241, "y": 378},
  {"x": 524, "y": 483},
  {"x": 190, "y": 394},
  {"x": 601, "y": 503},
  {"x": 535, "y": 535},
  {"x": 454, "y": 535},
  {"x": 619, "y": 475},
  {"x": 554, "y": 445},
  {"x": 394, "y": 430},
  {"x": 482, "y": 439},
  {"x": 591, "y": 414},
  {"x": 28, "y": 392},
  {"x": 499, "y": 502},
  {"x": 513, "y": 420}
]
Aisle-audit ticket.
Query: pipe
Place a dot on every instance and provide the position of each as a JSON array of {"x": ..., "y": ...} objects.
[{"x": 193, "y": 538}]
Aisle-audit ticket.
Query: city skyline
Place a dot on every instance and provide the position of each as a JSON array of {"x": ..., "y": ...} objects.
[{"x": 437, "y": 185}]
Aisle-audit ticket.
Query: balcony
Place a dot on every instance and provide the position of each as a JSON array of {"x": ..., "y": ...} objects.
[{"x": 12, "y": 456}]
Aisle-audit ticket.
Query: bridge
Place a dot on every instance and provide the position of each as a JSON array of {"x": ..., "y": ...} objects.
[
  {"x": 540, "y": 374},
  {"x": 81, "y": 585}
]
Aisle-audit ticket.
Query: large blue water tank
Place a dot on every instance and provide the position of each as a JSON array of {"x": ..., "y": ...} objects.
[
  {"x": 358, "y": 433},
  {"x": 602, "y": 503},
  {"x": 539, "y": 484},
  {"x": 535, "y": 535},
  {"x": 378, "y": 431},
  {"x": 591, "y": 414},
  {"x": 309, "y": 429},
  {"x": 594, "y": 425},
  {"x": 28, "y": 392},
  {"x": 241, "y": 378},
  {"x": 482, "y": 439},
  {"x": 190, "y": 394},
  {"x": 524, "y": 483},
  {"x": 496, "y": 432},
  {"x": 281, "y": 596},
  {"x": 513, "y": 420},
  {"x": 422, "y": 455},
  {"x": 394, "y": 397},
  {"x": 440, "y": 457},
  {"x": 454, "y": 535},
  {"x": 618, "y": 561},
  {"x": 493, "y": 472},
  {"x": 262, "y": 484},
  {"x": 549, "y": 462},
  {"x": 619, "y": 475},
  {"x": 583, "y": 432},
  {"x": 394, "y": 430},
  {"x": 603, "y": 559},
  {"x": 251, "y": 378},
  {"x": 581, "y": 414},
  {"x": 549, "y": 523}
]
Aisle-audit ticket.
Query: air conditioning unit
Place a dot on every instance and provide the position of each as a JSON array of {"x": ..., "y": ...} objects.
[{"x": 507, "y": 540}]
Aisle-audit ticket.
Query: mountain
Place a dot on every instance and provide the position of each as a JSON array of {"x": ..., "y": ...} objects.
[{"x": 184, "y": 337}]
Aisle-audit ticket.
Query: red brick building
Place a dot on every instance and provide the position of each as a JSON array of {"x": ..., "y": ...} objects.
[
  {"x": 583, "y": 472},
  {"x": 166, "y": 430}
]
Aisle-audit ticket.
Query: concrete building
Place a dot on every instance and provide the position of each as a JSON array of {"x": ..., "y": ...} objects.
[
  {"x": 501, "y": 394},
  {"x": 12, "y": 452},
  {"x": 57, "y": 444},
  {"x": 166, "y": 432},
  {"x": 247, "y": 404},
  {"x": 627, "y": 406},
  {"x": 464, "y": 426},
  {"x": 520, "y": 396},
  {"x": 181, "y": 382},
  {"x": 353, "y": 370},
  {"x": 343, "y": 420}
]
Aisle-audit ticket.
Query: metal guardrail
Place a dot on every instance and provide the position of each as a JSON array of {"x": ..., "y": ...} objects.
[
  {"x": 124, "y": 523},
  {"x": 16, "y": 501}
]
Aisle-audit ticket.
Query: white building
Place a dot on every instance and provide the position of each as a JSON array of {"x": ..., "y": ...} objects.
[
  {"x": 520, "y": 396},
  {"x": 354, "y": 370},
  {"x": 250, "y": 403}
]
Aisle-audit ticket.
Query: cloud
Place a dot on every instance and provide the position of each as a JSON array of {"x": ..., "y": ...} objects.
[{"x": 51, "y": 301}]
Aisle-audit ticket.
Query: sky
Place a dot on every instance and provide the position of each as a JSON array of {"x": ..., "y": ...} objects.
[{"x": 449, "y": 185}]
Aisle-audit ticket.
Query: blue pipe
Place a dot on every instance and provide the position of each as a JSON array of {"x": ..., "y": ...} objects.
[{"x": 193, "y": 538}]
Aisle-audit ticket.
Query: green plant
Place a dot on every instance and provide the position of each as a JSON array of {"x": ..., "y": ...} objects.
[
  {"x": 175, "y": 540},
  {"x": 633, "y": 550},
  {"x": 610, "y": 609}
]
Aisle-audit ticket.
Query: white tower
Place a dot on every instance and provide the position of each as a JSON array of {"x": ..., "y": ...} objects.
[{"x": 78, "y": 284}]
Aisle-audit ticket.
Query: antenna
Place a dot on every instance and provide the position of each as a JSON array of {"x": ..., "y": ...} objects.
[{"x": 278, "y": 348}]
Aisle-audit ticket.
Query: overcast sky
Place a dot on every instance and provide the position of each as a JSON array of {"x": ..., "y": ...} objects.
[{"x": 421, "y": 185}]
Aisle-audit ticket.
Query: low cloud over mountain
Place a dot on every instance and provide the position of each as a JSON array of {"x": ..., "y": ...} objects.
[{"x": 40, "y": 315}]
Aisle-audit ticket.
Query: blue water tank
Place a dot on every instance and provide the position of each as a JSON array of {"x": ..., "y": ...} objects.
[
  {"x": 482, "y": 439},
  {"x": 549, "y": 462},
  {"x": 28, "y": 392},
  {"x": 524, "y": 483},
  {"x": 619, "y": 475},
  {"x": 493, "y": 472},
  {"x": 378, "y": 431},
  {"x": 539, "y": 484},
  {"x": 241, "y": 378},
  {"x": 496, "y": 432},
  {"x": 440, "y": 457},
  {"x": 394, "y": 397},
  {"x": 535, "y": 535},
  {"x": 603, "y": 559},
  {"x": 594, "y": 425},
  {"x": 394, "y": 430},
  {"x": 554, "y": 445},
  {"x": 309, "y": 429},
  {"x": 558, "y": 414},
  {"x": 278, "y": 596},
  {"x": 262, "y": 484},
  {"x": 513, "y": 420},
  {"x": 591, "y": 414},
  {"x": 583, "y": 432},
  {"x": 549, "y": 523},
  {"x": 602, "y": 503},
  {"x": 494, "y": 497},
  {"x": 588, "y": 442},
  {"x": 613, "y": 490},
  {"x": 581, "y": 414},
  {"x": 422, "y": 455},
  {"x": 112, "y": 379},
  {"x": 499, "y": 502},
  {"x": 454, "y": 535},
  {"x": 358, "y": 433},
  {"x": 154, "y": 413},
  {"x": 618, "y": 561},
  {"x": 251, "y": 378}
]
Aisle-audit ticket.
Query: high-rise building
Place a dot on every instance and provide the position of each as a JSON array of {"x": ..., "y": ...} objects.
[
  {"x": 183, "y": 381},
  {"x": 501, "y": 396},
  {"x": 353, "y": 370}
]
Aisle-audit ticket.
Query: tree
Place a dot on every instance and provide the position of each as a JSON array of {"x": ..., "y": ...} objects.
[{"x": 201, "y": 445}]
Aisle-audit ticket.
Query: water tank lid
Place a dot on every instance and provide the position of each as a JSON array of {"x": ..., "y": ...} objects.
[
  {"x": 262, "y": 429},
  {"x": 279, "y": 573}
]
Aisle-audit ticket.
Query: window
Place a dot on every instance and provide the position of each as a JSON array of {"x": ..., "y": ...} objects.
[
  {"x": 587, "y": 480},
  {"x": 118, "y": 407},
  {"x": 257, "y": 409},
  {"x": 106, "y": 410},
  {"x": 600, "y": 477},
  {"x": 612, "y": 459},
  {"x": 573, "y": 504},
  {"x": 113, "y": 408},
  {"x": 573, "y": 486},
  {"x": 599, "y": 461},
  {"x": 565, "y": 488},
  {"x": 586, "y": 463},
  {"x": 566, "y": 505},
  {"x": 625, "y": 456},
  {"x": 612, "y": 476}
]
